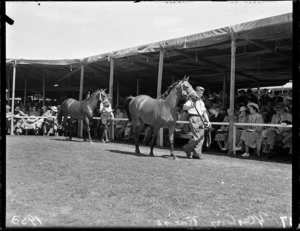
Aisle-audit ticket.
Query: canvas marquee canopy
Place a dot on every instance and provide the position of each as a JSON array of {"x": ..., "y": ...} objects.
[{"x": 204, "y": 56}]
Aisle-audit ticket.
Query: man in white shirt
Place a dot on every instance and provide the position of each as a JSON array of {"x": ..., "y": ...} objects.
[{"x": 194, "y": 146}]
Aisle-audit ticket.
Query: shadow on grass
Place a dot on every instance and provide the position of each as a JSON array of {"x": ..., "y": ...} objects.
[
  {"x": 144, "y": 155},
  {"x": 130, "y": 153},
  {"x": 67, "y": 140},
  {"x": 283, "y": 159}
]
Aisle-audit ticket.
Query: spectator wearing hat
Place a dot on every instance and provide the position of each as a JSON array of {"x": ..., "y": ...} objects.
[
  {"x": 252, "y": 136},
  {"x": 275, "y": 135},
  {"x": 106, "y": 116},
  {"x": 8, "y": 118},
  {"x": 243, "y": 118},
  {"x": 18, "y": 121},
  {"x": 196, "y": 109}
]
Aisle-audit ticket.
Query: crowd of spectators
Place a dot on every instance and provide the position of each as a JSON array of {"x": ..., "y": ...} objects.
[{"x": 249, "y": 108}]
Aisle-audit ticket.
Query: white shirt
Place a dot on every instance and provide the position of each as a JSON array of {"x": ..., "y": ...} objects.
[{"x": 190, "y": 107}]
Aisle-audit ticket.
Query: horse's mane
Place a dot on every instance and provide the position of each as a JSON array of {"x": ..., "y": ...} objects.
[{"x": 167, "y": 92}]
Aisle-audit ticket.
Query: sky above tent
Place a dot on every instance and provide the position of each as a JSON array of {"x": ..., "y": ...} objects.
[{"x": 69, "y": 30}]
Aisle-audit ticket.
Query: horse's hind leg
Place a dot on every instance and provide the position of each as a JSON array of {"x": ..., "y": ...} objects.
[
  {"x": 155, "y": 132},
  {"x": 137, "y": 128}
]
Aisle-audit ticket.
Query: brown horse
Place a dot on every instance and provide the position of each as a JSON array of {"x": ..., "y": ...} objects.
[
  {"x": 80, "y": 110},
  {"x": 159, "y": 112}
]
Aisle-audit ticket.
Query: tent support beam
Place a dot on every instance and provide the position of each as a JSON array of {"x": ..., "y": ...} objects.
[
  {"x": 80, "y": 124},
  {"x": 25, "y": 92},
  {"x": 118, "y": 94},
  {"x": 111, "y": 90},
  {"x": 219, "y": 66},
  {"x": 268, "y": 48},
  {"x": 159, "y": 83},
  {"x": 69, "y": 74},
  {"x": 13, "y": 99},
  {"x": 44, "y": 89},
  {"x": 232, "y": 135}
]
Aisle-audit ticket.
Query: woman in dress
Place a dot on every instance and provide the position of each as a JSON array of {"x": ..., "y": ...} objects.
[{"x": 252, "y": 136}]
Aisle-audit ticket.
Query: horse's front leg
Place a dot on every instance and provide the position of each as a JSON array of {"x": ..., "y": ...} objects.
[
  {"x": 171, "y": 138},
  {"x": 155, "y": 132}
]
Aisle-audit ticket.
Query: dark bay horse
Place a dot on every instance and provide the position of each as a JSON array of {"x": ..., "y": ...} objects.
[
  {"x": 159, "y": 112},
  {"x": 80, "y": 110}
]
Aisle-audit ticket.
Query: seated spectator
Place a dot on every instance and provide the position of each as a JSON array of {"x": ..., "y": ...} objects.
[
  {"x": 18, "y": 121},
  {"x": 251, "y": 97},
  {"x": 119, "y": 124},
  {"x": 8, "y": 119},
  {"x": 275, "y": 135},
  {"x": 215, "y": 116},
  {"x": 252, "y": 136},
  {"x": 32, "y": 123},
  {"x": 50, "y": 124},
  {"x": 34, "y": 112},
  {"x": 128, "y": 133},
  {"x": 221, "y": 136},
  {"x": 288, "y": 104},
  {"x": 241, "y": 99},
  {"x": 264, "y": 97}
]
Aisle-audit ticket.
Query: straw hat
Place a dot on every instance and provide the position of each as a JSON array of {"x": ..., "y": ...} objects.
[
  {"x": 199, "y": 88},
  {"x": 253, "y": 105},
  {"x": 289, "y": 98},
  {"x": 54, "y": 109},
  {"x": 243, "y": 108},
  {"x": 8, "y": 107}
]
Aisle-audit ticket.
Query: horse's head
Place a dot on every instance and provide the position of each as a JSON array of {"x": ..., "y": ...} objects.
[
  {"x": 187, "y": 90},
  {"x": 102, "y": 95}
]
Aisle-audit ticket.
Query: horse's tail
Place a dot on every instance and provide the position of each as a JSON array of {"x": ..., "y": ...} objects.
[
  {"x": 127, "y": 101},
  {"x": 59, "y": 115}
]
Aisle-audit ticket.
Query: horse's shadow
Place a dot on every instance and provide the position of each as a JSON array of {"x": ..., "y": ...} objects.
[
  {"x": 144, "y": 155},
  {"x": 69, "y": 140}
]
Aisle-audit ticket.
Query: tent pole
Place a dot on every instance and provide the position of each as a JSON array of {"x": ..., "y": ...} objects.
[
  {"x": 80, "y": 124},
  {"x": 25, "y": 92},
  {"x": 232, "y": 138},
  {"x": 44, "y": 90},
  {"x": 118, "y": 94},
  {"x": 224, "y": 88},
  {"x": 13, "y": 99},
  {"x": 8, "y": 89},
  {"x": 111, "y": 85},
  {"x": 159, "y": 83}
]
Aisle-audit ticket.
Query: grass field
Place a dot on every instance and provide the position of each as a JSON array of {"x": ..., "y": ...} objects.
[{"x": 52, "y": 182}]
